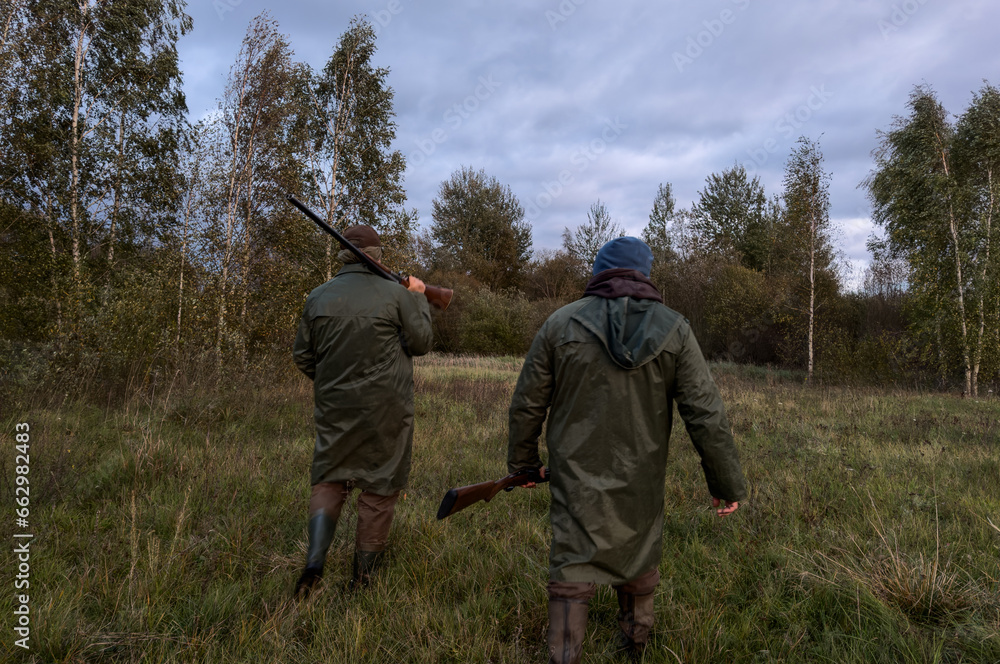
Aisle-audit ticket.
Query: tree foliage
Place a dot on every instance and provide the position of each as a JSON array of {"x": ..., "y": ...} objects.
[
  {"x": 933, "y": 191},
  {"x": 130, "y": 239},
  {"x": 732, "y": 215},
  {"x": 656, "y": 234},
  {"x": 355, "y": 175},
  {"x": 89, "y": 144},
  {"x": 479, "y": 229}
]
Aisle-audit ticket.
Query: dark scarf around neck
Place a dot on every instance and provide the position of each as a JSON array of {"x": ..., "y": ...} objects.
[{"x": 622, "y": 282}]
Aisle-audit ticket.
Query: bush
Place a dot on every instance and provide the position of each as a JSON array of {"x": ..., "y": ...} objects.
[{"x": 497, "y": 323}]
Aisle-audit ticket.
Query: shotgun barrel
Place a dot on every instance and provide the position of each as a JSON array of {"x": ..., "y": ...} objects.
[{"x": 437, "y": 296}]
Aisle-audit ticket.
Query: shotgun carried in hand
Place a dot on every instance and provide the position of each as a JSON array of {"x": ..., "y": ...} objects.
[
  {"x": 462, "y": 497},
  {"x": 437, "y": 296}
]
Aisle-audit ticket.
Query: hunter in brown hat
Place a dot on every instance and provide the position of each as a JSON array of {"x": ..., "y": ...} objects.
[{"x": 356, "y": 340}]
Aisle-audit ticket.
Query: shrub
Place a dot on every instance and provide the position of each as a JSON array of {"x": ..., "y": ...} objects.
[{"x": 497, "y": 323}]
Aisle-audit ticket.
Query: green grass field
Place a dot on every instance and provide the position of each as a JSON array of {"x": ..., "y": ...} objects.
[{"x": 172, "y": 529}]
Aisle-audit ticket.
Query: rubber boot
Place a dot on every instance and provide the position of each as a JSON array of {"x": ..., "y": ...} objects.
[
  {"x": 365, "y": 564},
  {"x": 635, "y": 618},
  {"x": 321, "y": 530},
  {"x": 567, "y": 628}
]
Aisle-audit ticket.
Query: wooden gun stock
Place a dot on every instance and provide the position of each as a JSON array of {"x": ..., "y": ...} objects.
[
  {"x": 436, "y": 296},
  {"x": 458, "y": 499}
]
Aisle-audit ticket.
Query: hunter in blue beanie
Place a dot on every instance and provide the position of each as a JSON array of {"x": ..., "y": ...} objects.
[{"x": 624, "y": 252}]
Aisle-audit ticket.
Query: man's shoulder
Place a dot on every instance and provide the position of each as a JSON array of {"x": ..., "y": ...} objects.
[
  {"x": 566, "y": 311},
  {"x": 672, "y": 317},
  {"x": 353, "y": 290}
]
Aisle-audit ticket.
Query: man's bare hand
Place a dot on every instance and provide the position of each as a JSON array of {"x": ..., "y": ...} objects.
[
  {"x": 728, "y": 509},
  {"x": 414, "y": 284},
  {"x": 532, "y": 485}
]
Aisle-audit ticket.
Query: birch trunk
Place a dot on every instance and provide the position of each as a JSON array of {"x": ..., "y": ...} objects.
[
  {"x": 812, "y": 293},
  {"x": 55, "y": 257},
  {"x": 960, "y": 285},
  {"x": 978, "y": 353},
  {"x": 74, "y": 147},
  {"x": 953, "y": 226},
  {"x": 235, "y": 185}
]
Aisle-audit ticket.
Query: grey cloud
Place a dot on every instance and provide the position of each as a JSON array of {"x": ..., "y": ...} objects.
[{"x": 561, "y": 78}]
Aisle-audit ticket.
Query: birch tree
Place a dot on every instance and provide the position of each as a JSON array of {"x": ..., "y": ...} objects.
[
  {"x": 98, "y": 105},
  {"x": 977, "y": 153},
  {"x": 807, "y": 218},
  {"x": 356, "y": 176},
  {"x": 656, "y": 234},
  {"x": 919, "y": 197},
  {"x": 256, "y": 162}
]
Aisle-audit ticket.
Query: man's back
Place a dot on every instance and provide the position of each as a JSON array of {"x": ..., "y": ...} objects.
[
  {"x": 356, "y": 339},
  {"x": 613, "y": 365},
  {"x": 359, "y": 325}
]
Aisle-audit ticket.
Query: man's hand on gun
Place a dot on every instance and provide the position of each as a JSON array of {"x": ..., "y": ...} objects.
[
  {"x": 532, "y": 485},
  {"x": 414, "y": 284}
]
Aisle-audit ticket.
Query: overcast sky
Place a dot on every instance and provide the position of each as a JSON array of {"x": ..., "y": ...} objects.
[{"x": 574, "y": 100}]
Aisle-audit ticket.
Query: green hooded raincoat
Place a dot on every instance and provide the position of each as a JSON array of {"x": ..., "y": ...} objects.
[
  {"x": 608, "y": 372},
  {"x": 356, "y": 340}
]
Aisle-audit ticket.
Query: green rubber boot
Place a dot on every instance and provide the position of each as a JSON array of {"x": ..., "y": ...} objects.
[
  {"x": 365, "y": 564},
  {"x": 321, "y": 530}
]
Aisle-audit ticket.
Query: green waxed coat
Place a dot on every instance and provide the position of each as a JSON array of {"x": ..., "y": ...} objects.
[
  {"x": 608, "y": 372},
  {"x": 356, "y": 340}
]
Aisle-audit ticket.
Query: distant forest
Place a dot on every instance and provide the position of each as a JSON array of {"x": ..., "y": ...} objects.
[{"x": 134, "y": 243}]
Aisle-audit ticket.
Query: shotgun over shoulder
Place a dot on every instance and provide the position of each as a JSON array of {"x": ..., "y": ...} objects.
[{"x": 436, "y": 296}]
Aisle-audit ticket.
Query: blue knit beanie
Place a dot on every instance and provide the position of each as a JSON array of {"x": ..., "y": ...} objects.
[{"x": 624, "y": 252}]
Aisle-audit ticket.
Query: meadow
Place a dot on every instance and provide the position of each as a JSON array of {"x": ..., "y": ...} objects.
[{"x": 170, "y": 526}]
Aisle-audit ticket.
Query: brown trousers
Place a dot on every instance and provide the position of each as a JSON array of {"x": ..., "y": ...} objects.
[
  {"x": 583, "y": 592},
  {"x": 374, "y": 512}
]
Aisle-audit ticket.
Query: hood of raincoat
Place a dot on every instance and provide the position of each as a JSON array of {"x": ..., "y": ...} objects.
[{"x": 625, "y": 316}]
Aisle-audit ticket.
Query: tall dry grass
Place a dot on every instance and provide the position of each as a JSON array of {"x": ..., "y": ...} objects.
[{"x": 171, "y": 527}]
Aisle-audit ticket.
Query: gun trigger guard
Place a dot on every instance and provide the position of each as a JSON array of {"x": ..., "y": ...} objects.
[{"x": 508, "y": 488}]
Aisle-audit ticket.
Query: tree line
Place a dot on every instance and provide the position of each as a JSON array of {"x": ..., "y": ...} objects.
[{"x": 132, "y": 238}]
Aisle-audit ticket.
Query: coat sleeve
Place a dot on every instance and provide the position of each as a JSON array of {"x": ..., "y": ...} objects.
[
  {"x": 528, "y": 406},
  {"x": 704, "y": 415},
  {"x": 303, "y": 352},
  {"x": 416, "y": 333}
]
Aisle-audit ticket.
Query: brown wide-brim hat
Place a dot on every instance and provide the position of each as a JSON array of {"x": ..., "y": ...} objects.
[{"x": 362, "y": 236}]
